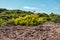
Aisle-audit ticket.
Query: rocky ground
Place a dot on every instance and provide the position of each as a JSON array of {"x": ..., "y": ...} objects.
[{"x": 47, "y": 31}]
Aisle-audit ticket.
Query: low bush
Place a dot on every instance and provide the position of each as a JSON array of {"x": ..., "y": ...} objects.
[
  {"x": 57, "y": 19},
  {"x": 1, "y": 21},
  {"x": 29, "y": 20}
]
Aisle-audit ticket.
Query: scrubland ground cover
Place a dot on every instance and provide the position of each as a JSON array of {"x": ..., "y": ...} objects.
[{"x": 27, "y": 18}]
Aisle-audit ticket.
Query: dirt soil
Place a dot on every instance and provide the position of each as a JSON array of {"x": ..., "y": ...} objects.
[{"x": 47, "y": 31}]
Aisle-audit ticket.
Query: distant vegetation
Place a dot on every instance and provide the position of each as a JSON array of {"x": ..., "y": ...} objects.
[{"x": 20, "y": 17}]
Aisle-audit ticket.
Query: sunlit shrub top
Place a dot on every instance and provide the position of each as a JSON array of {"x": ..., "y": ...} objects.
[{"x": 29, "y": 20}]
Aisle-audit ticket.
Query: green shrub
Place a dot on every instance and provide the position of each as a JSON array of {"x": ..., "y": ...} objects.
[
  {"x": 42, "y": 19},
  {"x": 57, "y": 19},
  {"x": 1, "y": 21},
  {"x": 29, "y": 20}
]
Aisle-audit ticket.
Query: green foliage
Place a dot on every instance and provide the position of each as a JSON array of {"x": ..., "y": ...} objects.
[
  {"x": 43, "y": 19},
  {"x": 57, "y": 19},
  {"x": 28, "y": 18},
  {"x": 52, "y": 16},
  {"x": 1, "y": 21},
  {"x": 43, "y": 15},
  {"x": 2, "y": 10}
]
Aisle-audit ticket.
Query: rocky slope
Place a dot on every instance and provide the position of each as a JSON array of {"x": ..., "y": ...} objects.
[{"x": 47, "y": 31}]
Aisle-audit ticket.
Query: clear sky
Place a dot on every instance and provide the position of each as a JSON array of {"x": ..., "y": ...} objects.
[{"x": 47, "y": 6}]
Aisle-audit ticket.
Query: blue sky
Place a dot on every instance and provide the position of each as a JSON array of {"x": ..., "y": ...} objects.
[{"x": 46, "y": 6}]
